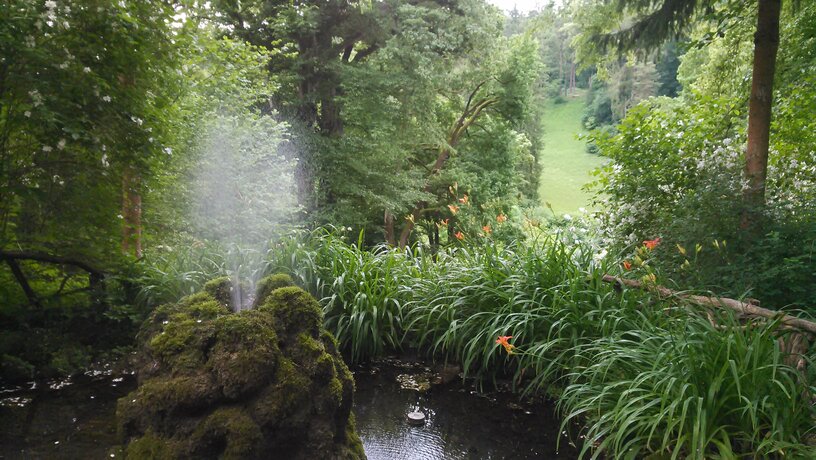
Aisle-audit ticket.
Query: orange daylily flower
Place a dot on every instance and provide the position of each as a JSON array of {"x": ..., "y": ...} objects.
[
  {"x": 627, "y": 265},
  {"x": 459, "y": 235},
  {"x": 487, "y": 229},
  {"x": 503, "y": 341},
  {"x": 501, "y": 218},
  {"x": 464, "y": 199},
  {"x": 453, "y": 208},
  {"x": 444, "y": 223},
  {"x": 651, "y": 244}
]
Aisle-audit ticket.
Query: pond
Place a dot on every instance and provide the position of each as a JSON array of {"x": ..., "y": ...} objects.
[
  {"x": 75, "y": 418},
  {"x": 460, "y": 422}
]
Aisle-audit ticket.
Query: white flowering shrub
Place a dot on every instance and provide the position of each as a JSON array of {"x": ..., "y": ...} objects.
[
  {"x": 677, "y": 173},
  {"x": 85, "y": 88}
]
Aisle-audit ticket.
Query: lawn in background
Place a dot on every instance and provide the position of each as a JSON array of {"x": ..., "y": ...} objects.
[{"x": 566, "y": 165}]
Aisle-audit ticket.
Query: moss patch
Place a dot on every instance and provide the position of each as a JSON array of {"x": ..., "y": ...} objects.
[
  {"x": 269, "y": 284},
  {"x": 294, "y": 311}
]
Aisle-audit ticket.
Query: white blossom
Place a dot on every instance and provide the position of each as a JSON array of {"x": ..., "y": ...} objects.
[
  {"x": 36, "y": 97},
  {"x": 61, "y": 144},
  {"x": 106, "y": 98}
]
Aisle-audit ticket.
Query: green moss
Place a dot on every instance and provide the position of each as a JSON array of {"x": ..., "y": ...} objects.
[
  {"x": 230, "y": 429},
  {"x": 309, "y": 346},
  {"x": 182, "y": 343},
  {"x": 335, "y": 391},
  {"x": 329, "y": 342},
  {"x": 269, "y": 284},
  {"x": 234, "y": 385},
  {"x": 294, "y": 311},
  {"x": 220, "y": 289},
  {"x": 175, "y": 337},
  {"x": 353, "y": 442},
  {"x": 290, "y": 391},
  {"x": 152, "y": 447},
  {"x": 246, "y": 352},
  {"x": 206, "y": 309},
  {"x": 248, "y": 328},
  {"x": 199, "y": 306},
  {"x": 155, "y": 399}
]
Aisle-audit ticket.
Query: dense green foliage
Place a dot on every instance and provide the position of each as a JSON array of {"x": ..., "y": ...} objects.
[
  {"x": 677, "y": 173},
  {"x": 433, "y": 94},
  {"x": 103, "y": 106},
  {"x": 147, "y": 147}
]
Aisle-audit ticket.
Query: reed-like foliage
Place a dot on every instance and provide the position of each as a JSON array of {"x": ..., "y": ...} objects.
[
  {"x": 166, "y": 274},
  {"x": 643, "y": 376}
]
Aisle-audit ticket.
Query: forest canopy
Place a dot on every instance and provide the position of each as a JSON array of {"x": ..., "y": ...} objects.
[{"x": 388, "y": 154}]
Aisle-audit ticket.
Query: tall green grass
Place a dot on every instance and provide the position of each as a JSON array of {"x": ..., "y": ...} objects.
[
  {"x": 644, "y": 377},
  {"x": 167, "y": 274}
]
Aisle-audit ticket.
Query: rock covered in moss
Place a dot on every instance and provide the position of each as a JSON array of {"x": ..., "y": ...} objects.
[{"x": 218, "y": 384}]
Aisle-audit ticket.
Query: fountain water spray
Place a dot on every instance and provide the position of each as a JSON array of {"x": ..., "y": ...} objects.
[{"x": 244, "y": 194}]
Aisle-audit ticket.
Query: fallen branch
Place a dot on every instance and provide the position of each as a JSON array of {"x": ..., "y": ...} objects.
[
  {"x": 21, "y": 279},
  {"x": 95, "y": 275},
  {"x": 43, "y": 257},
  {"x": 743, "y": 308}
]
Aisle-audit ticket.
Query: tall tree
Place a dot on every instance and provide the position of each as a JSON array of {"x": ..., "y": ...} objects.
[{"x": 652, "y": 23}]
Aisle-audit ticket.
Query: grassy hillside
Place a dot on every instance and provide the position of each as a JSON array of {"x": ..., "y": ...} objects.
[{"x": 565, "y": 163}]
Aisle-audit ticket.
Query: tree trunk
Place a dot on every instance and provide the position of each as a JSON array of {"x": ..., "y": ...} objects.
[
  {"x": 766, "y": 44},
  {"x": 434, "y": 237},
  {"x": 390, "y": 237},
  {"x": 561, "y": 68},
  {"x": 131, "y": 213}
]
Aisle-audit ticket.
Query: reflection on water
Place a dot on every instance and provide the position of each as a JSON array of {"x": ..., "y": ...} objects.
[
  {"x": 71, "y": 419},
  {"x": 460, "y": 424},
  {"x": 75, "y": 418}
]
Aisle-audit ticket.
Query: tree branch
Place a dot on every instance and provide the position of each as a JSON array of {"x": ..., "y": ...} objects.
[
  {"x": 42, "y": 257},
  {"x": 21, "y": 279},
  {"x": 720, "y": 302}
]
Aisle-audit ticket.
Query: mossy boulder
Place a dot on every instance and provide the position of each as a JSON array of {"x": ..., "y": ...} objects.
[{"x": 218, "y": 384}]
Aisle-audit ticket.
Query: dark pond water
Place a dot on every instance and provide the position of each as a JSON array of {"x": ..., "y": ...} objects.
[
  {"x": 460, "y": 422},
  {"x": 68, "y": 419},
  {"x": 74, "y": 419}
]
